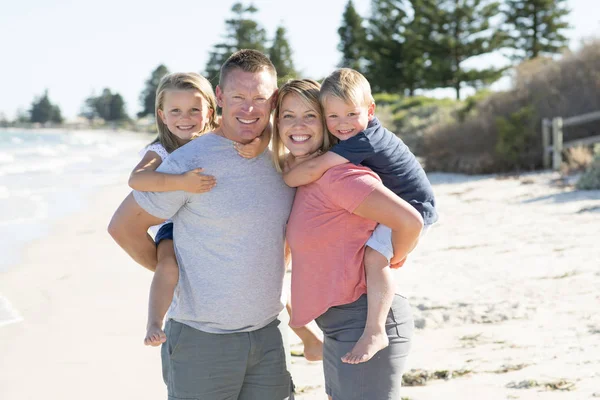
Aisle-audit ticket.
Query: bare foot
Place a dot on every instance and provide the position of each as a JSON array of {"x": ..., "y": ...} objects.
[
  {"x": 313, "y": 350},
  {"x": 366, "y": 347},
  {"x": 155, "y": 336}
]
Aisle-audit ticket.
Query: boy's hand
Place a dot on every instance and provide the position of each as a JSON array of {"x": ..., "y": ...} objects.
[
  {"x": 252, "y": 149},
  {"x": 195, "y": 182}
]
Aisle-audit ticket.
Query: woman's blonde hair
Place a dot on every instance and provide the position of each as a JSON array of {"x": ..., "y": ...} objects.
[
  {"x": 183, "y": 81},
  {"x": 308, "y": 91}
]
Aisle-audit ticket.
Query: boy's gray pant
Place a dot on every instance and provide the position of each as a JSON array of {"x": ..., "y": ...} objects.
[{"x": 237, "y": 366}]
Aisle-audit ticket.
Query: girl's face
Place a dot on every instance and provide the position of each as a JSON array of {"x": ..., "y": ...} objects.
[
  {"x": 300, "y": 126},
  {"x": 185, "y": 113}
]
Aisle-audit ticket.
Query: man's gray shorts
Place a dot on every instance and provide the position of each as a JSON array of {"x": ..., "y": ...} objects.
[{"x": 236, "y": 366}]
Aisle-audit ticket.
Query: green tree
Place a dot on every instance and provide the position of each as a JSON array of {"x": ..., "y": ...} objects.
[
  {"x": 148, "y": 95},
  {"x": 536, "y": 27},
  {"x": 353, "y": 39},
  {"x": 386, "y": 60},
  {"x": 242, "y": 33},
  {"x": 459, "y": 31},
  {"x": 280, "y": 54},
  {"x": 108, "y": 106},
  {"x": 43, "y": 111}
]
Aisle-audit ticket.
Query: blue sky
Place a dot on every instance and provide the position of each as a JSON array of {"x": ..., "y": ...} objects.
[{"x": 78, "y": 47}]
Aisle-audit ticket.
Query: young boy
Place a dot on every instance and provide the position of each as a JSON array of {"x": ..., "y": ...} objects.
[{"x": 349, "y": 111}]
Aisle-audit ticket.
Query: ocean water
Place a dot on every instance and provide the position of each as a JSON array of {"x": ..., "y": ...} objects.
[{"x": 45, "y": 175}]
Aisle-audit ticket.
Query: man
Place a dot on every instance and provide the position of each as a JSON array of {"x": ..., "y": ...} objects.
[{"x": 224, "y": 339}]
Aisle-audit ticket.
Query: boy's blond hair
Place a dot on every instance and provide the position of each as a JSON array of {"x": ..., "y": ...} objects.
[
  {"x": 183, "y": 81},
  {"x": 348, "y": 85},
  {"x": 308, "y": 91}
]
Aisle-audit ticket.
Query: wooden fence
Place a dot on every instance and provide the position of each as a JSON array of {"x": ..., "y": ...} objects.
[{"x": 552, "y": 137}]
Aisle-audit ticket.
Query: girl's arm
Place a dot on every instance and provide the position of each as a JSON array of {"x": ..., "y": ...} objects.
[
  {"x": 256, "y": 147},
  {"x": 312, "y": 169},
  {"x": 144, "y": 178},
  {"x": 385, "y": 207}
]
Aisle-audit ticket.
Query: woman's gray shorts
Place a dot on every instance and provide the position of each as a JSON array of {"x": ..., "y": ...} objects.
[{"x": 379, "y": 378}]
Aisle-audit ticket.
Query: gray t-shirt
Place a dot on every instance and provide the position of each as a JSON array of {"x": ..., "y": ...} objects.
[{"x": 229, "y": 242}]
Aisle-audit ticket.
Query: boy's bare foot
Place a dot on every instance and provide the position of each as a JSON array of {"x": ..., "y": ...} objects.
[
  {"x": 313, "y": 350},
  {"x": 366, "y": 347},
  {"x": 155, "y": 336}
]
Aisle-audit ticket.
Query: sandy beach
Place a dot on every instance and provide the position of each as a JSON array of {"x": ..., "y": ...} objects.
[{"x": 505, "y": 292}]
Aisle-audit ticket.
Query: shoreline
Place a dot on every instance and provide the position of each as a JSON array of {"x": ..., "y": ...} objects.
[{"x": 83, "y": 305}]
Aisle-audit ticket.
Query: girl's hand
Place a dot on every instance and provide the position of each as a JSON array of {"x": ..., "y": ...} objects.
[
  {"x": 250, "y": 150},
  {"x": 397, "y": 264},
  {"x": 195, "y": 182}
]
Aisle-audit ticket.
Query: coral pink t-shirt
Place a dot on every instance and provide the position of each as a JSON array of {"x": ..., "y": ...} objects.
[{"x": 328, "y": 241}]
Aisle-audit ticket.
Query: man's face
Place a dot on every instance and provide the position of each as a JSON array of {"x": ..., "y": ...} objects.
[{"x": 247, "y": 99}]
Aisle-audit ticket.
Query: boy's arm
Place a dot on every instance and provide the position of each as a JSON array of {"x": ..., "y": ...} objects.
[
  {"x": 144, "y": 178},
  {"x": 311, "y": 170},
  {"x": 256, "y": 147}
]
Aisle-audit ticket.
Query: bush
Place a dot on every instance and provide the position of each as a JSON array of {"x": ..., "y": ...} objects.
[
  {"x": 590, "y": 180},
  {"x": 515, "y": 137},
  {"x": 485, "y": 136}
]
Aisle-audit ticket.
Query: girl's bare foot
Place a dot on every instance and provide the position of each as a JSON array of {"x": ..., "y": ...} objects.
[
  {"x": 313, "y": 350},
  {"x": 366, "y": 347},
  {"x": 155, "y": 336}
]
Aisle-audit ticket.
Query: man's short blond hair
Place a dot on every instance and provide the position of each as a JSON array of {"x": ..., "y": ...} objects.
[
  {"x": 348, "y": 85},
  {"x": 247, "y": 60}
]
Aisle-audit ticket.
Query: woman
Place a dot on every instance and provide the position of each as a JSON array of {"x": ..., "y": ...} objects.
[{"x": 331, "y": 220}]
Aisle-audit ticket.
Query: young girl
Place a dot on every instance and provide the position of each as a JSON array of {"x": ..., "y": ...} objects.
[{"x": 185, "y": 109}]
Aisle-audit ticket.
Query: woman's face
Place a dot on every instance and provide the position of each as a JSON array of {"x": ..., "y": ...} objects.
[{"x": 300, "y": 126}]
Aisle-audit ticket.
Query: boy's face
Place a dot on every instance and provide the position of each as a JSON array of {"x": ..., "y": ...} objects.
[{"x": 345, "y": 120}]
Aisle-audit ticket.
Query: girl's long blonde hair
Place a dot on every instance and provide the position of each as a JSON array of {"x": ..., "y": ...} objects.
[
  {"x": 183, "y": 81},
  {"x": 308, "y": 90}
]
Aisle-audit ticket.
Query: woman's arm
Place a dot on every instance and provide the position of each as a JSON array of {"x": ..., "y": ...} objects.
[
  {"x": 385, "y": 207},
  {"x": 144, "y": 178}
]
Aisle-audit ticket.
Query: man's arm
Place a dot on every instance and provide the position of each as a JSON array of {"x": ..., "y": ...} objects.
[
  {"x": 129, "y": 228},
  {"x": 311, "y": 170}
]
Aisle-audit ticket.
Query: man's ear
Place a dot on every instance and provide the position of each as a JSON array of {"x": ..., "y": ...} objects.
[
  {"x": 371, "y": 111},
  {"x": 219, "y": 95}
]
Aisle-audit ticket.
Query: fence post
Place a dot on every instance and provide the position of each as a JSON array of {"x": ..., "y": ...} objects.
[
  {"x": 557, "y": 142},
  {"x": 546, "y": 142}
]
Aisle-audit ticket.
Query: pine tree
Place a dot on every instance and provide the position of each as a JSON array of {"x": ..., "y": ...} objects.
[
  {"x": 108, "y": 106},
  {"x": 385, "y": 61},
  {"x": 460, "y": 30},
  {"x": 280, "y": 54},
  {"x": 537, "y": 27},
  {"x": 148, "y": 95},
  {"x": 43, "y": 111},
  {"x": 353, "y": 39},
  {"x": 242, "y": 33}
]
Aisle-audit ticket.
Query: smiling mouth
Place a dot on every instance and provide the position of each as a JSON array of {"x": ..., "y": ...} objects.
[
  {"x": 185, "y": 127},
  {"x": 345, "y": 132},
  {"x": 299, "y": 138},
  {"x": 247, "y": 121}
]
